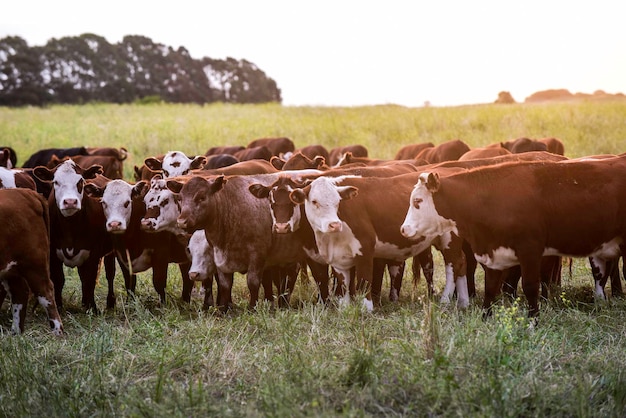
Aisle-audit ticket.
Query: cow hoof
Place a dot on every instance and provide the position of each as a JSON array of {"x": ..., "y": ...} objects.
[{"x": 368, "y": 305}]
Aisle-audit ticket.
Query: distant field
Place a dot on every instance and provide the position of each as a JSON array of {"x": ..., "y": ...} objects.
[{"x": 414, "y": 358}]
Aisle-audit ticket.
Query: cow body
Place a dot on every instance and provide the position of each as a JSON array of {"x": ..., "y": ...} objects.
[
  {"x": 277, "y": 146},
  {"x": 447, "y": 151},
  {"x": 518, "y": 213},
  {"x": 409, "y": 152},
  {"x": 336, "y": 153},
  {"x": 24, "y": 257}
]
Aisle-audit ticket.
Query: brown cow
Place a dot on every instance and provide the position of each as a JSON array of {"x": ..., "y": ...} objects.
[
  {"x": 229, "y": 149},
  {"x": 554, "y": 145},
  {"x": 277, "y": 146},
  {"x": 411, "y": 151},
  {"x": 447, "y": 151},
  {"x": 486, "y": 152},
  {"x": 519, "y": 145},
  {"x": 313, "y": 151},
  {"x": 24, "y": 257},
  {"x": 336, "y": 153},
  {"x": 261, "y": 152},
  {"x": 547, "y": 213},
  {"x": 298, "y": 161}
]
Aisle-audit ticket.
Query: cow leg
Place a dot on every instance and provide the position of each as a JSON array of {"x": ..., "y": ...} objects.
[
  {"x": 18, "y": 291},
  {"x": 493, "y": 287},
  {"x": 187, "y": 282},
  {"x": 378, "y": 271},
  {"x": 425, "y": 261},
  {"x": 616, "y": 283},
  {"x": 58, "y": 279},
  {"x": 224, "y": 290},
  {"x": 207, "y": 285},
  {"x": 130, "y": 280},
  {"x": 159, "y": 279},
  {"x": 599, "y": 270},
  {"x": 254, "y": 279},
  {"x": 44, "y": 292},
  {"x": 88, "y": 273},
  {"x": 396, "y": 274},
  {"x": 343, "y": 285},
  {"x": 470, "y": 267},
  {"x": 531, "y": 284},
  {"x": 109, "y": 272},
  {"x": 364, "y": 271},
  {"x": 511, "y": 277},
  {"x": 288, "y": 283},
  {"x": 321, "y": 277},
  {"x": 550, "y": 275},
  {"x": 271, "y": 276}
]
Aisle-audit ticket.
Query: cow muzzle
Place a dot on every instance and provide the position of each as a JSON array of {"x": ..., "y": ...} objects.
[
  {"x": 116, "y": 227},
  {"x": 147, "y": 224},
  {"x": 282, "y": 228},
  {"x": 335, "y": 226}
]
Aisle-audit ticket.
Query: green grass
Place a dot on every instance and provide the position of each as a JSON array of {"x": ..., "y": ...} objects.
[{"x": 413, "y": 358}]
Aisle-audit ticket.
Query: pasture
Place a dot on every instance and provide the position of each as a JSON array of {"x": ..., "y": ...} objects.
[{"x": 413, "y": 358}]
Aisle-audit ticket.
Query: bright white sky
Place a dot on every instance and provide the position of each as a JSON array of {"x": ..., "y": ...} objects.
[{"x": 349, "y": 53}]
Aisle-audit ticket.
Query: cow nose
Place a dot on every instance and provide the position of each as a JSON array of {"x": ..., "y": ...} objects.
[
  {"x": 70, "y": 203},
  {"x": 193, "y": 275},
  {"x": 282, "y": 228},
  {"x": 181, "y": 223},
  {"x": 334, "y": 227},
  {"x": 147, "y": 224},
  {"x": 115, "y": 226}
]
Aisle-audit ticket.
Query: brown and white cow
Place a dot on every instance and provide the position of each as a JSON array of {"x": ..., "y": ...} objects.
[
  {"x": 8, "y": 157},
  {"x": 175, "y": 163},
  {"x": 78, "y": 237},
  {"x": 517, "y": 213},
  {"x": 24, "y": 257},
  {"x": 352, "y": 227},
  {"x": 11, "y": 178},
  {"x": 136, "y": 249},
  {"x": 447, "y": 151}
]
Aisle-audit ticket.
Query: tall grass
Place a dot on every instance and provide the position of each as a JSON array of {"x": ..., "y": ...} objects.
[{"x": 413, "y": 358}]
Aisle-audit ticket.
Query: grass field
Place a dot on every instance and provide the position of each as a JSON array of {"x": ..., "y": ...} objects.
[{"x": 413, "y": 358}]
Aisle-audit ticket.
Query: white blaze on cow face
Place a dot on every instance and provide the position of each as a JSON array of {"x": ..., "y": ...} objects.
[
  {"x": 117, "y": 205},
  {"x": 201, "y": 254},
  {"x": 162, "y": 208},
  {"x": 7, "y": 178},
  {"x": 422, "y": 218},
  {"x": 68, "y": 188},
  {"x": 322, "y": 203}
]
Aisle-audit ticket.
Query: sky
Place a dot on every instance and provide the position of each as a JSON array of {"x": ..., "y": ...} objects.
[{"x": 354, "y": 53}]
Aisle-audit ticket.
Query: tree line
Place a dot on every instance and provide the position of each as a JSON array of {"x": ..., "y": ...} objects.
[{"x": 87, "y": 68}]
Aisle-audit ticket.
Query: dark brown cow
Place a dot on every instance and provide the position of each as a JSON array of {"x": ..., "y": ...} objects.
[
  {"x": 8, "y": 157},
  {"x": 313, "y": 151},
  {"x": 277, "y": 146},
  {"x": 447, "y": 151},
  {"x": 335, "y": 154},
  {"x": 78, "y": 237},
  {"x": 24, "y": 257},
  {"x": 119, "y": 153},
  {"x": 261, "y": 152},
  {"x": 411, "y": 151},
  {"x": 554, "y": 145},
  {"x": 229, "y": 149},
  {"x": 519, "y": 145},
  {"x": 43, "y": 156},
  {"x": 547, "y": 213},
  {"x": 219, "y": 161}
]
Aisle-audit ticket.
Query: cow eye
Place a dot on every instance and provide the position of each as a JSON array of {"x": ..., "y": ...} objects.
[
  {"x": 166, "y": 173},
  {"x": 416, "y": 202},
  {"x": 185, "y": 172},
  {"x": 164, "y": 202},
  {"x": 126, "y": 203},
  {"x": 104, "y": 204},
  {"x": 314, "y": 203}
]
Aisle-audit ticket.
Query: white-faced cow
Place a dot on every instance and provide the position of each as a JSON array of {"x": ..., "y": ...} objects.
[
  {"x": 24, "y": 257},
  {"x": 136, "y": 249},
  {"x": 175, "y": 163},
  {"x": 517, "y": 213},
  {"x": 78, "y": 237}
]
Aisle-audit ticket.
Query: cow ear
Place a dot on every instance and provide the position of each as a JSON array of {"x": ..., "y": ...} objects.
[
  {"x": 432, "y": 182},
  {"x": 198, "y": 162},
  {"x": 44, "y": 173},
  {"x": 299, "y": 196},
  {"x": 218, "y": 183},
  {"x": 138, "y": 172},
  {"x": 174, "y": 186},
  {"x": 153, "y": 164},
  {"x": 92, "y": 172},
  {"x": 139, "y": 190},
  {"x": 347, "y": 192},
  {"x": 319, "y": 161},
  {"x": 277, "y": 163},
  {"x": 260, "y": 191},
  {"x": 93, "y": 191}
]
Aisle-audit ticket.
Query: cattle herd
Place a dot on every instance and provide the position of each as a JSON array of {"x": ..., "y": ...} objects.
[{"x": 271, "y": 211}]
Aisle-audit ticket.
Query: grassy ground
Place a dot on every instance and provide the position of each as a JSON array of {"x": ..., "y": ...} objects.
[{"x": 413, "y": 358}]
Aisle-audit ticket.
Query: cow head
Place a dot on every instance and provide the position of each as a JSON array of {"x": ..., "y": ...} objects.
[
  {"x": 68, "y": 181},
  {"x": 175, "y": 163},
  {"x": 200, "y": 252},
  {"x": 422, "y": 218},
  {"x": 162, "y": 207},
  {"x": 321, "y": 202},
  {"x": 285, "y": 214},
  {"x": 116, "y": 198},
  {"x": 196, "y": 200}
]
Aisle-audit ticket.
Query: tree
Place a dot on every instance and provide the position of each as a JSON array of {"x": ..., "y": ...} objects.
[{"x": 21, "y": 82}]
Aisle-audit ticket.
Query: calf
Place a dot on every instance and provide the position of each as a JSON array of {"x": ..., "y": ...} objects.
[
  {"x": 78, "y": 237},
  {"x": 24, "y": 257},
  {"x": 517, "y": 213}
]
